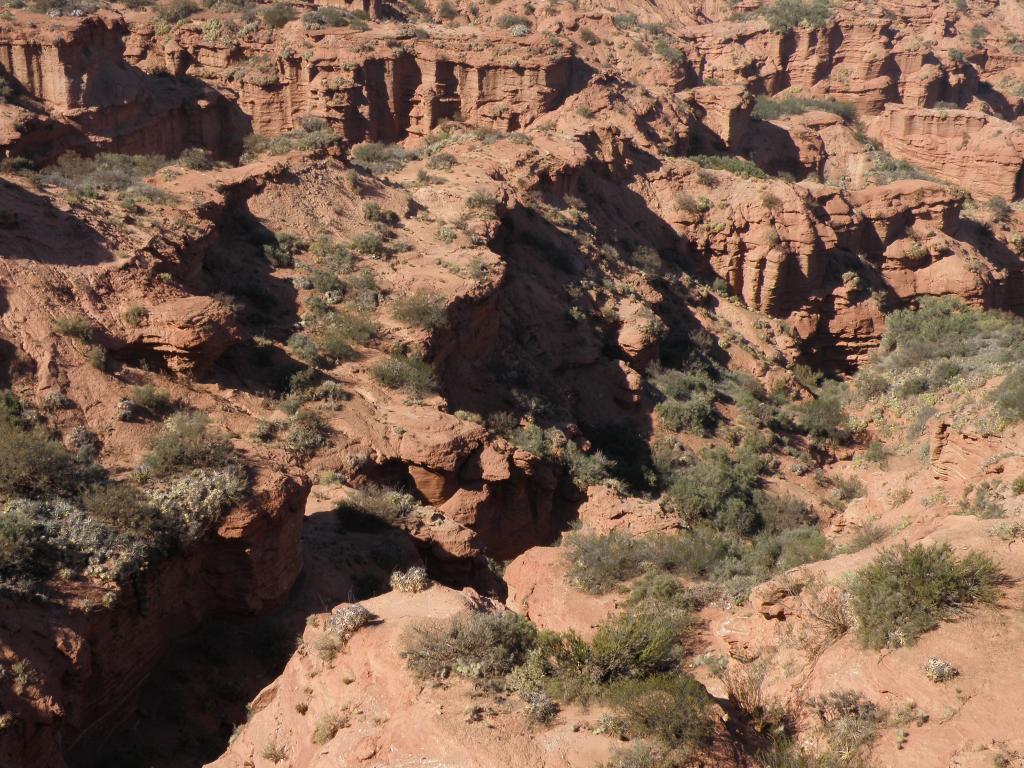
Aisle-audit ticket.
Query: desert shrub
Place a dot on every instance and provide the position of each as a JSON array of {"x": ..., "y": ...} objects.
[
  {"x": 422, "y": 309},
  {"x": 600, "y": 562},
  {"x": 380, "y": 158},
  {"x": 939, "y": 671},
  {"x": 721, "y": 488},
  {"x": 34, "y": 465},
  {"x": 480, "y": 646},
  {"x": 279, "y": 14},
  {"x": 636, "y": 644},
  {"x": 850, "y": 724},
  {"x": 865, "y": 536},
  {"x": 784, "y": 15},
  {"x": 104, "y": 171},
  {"x": 735, "y": 165},
  {"x": 149, "y": 398},
  {"x": 327, "y": 727},
  {"x": 787, "y": 549},
  {"x": 943, "y": 330},
  {"x": 408, "y": 372},
  {"x": 480, "y": 201},
  {"x": 673, "y": 708},
  {"x": 668, "y": 52},
  {"x": 907, "y": 591},
  {"x": 585, "y": 469},
  {"x": 771, "y": 108},
  {"x": 694, "y": 415},
  {"x": 96, "y": 356},
  {"x": 307, "y": 431},
  {"x": 369, "y": 243},
  {"x": 824, "y": 416},
  {"x": 413, "y": 580},
  {"x": 1009, "y": 396},
  {"x": 327, "y": 646},
  {"x": 135, "y": 315},
  {"x": 274, "y": 752},
  {"x": 387, "y": 504},
  {"x": 23, "y": 547},
  {"x": 441, "y": 161},
  {"x": 507, "y": 21},
  {"x": 847, "y": 488},
  {"x": 334, "y": 346},
  {"x": 346, "y": 620},
  {"x": 174, "y": 11},
  {"x": 624, "y": 20},
  {"x": 76, "y": 326},
  {"x": 192, "y": 502},
  {"x": 283, "y": 250},
  {"x": 121, "y": 505},
  {"x": 871, "y": 385},
  {"x": 313, "y": 134},
  {"x": 1000, "y": 209},
  {"x": 303, "y": 348},
  {"x": 187, "y": 443}
]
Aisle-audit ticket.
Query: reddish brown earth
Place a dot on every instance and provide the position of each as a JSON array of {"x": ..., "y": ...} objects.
[{"x": 576, "y": 234}]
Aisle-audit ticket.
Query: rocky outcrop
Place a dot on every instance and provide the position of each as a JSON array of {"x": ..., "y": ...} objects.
[
  {"x": 386, "y": 714},
  {"x": 89, "y": 655},
  {"x": 976, "y": 151},
  {"x": 79, "y": 92}
]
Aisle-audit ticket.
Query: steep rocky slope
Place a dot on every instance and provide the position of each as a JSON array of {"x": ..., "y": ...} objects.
[{"x": 450, "y": 280}]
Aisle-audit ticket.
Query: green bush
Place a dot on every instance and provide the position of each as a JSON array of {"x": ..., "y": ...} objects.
[
  {"x": 694, "y": 415},
  {"x": 790, "y": 548},
  {"x": 721, "y": 488},
  {"x": 585, "y": 469},
  {"x": 284, "y": 249},
  {"x": 387, "y": 504},
  {"x": 441, "y": 161},
  {"x": 313, "y": 134},
  {"x": 507, "y": 21},
  {"x": 824, "y": 416},
  {"x": 279, "y": 14},
  {"x": 784, "y": 15},
  {"x": 104, "y": 171},
  {"x": 669, "y": 52},
  {"x": 186, "y": 443},
  {"x": 307, "y": 431},
  {"x": 149, "y": 398},
  {"x": 408, "y": 372},
  {"x": 771, "y": 108},
  {"x": 22, "y": 545},
  {"x": 479, "y": 646},
  {"x": 636, "y": 644},
  {"x": 327, "y": 727},
  {"x": 735, "y": 165},
  {"x": 76, "y": 326},
  {"x": 34, "y": 465},
  {"x": 135, "y": 315},
  {"x": 940, "y": 328},
  {"x": 600, "y": 562},
  {"x": 908, "y": 591},
  {"x": 422, "y": 309},
  {"x": 380, "y": 158},
  {"x": 120, "y": 505},
  {"x": 673, "y": 708},
  {"x": 368, "y": 243},
  {"x": 176, "y": 10},
  {"x": 1009, "y": 395}
]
